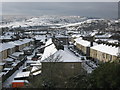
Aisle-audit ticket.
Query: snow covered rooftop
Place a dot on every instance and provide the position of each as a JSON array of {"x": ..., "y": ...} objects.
[
  {"x": 31, "y": 61},
  {"x": 14, "y": 64},
  {"x": 103, "y": 36},
  {"x": 36, "y": 73},
  {"x": 4, "y": 46},
  {"x": 63, "y": 55},
  {"x": 5, "y": 37},
  {"x": 50, "y": 50},
  {"x": 19, "y": 81},
  {"x": 1, "y": 63},
  {"x": 112, "y": 41},
  {"x": 7, "y": 69},
  {"x": 21, "y": 41},
  {"x": 35, "y": 68},
  {"x": 40, "y": 37},
  {"x": 76, "y": 36},
  {"x": 9, "y": 59},
  {"x": 61, "y": 36},
  {"x": 26, "y": 48},
  {"x": 93, "y": 33},
  {"x": 108, "y": 40},
  {"x": 84, "y": 42},
  {"x": 17, "y": 54},
  {"x": 106, "y": 49},
  {"x": 66, "y": 56},
  {"x": 2, "y": 73},
  {"x": 22, "y": 74},
  {"x": 37, "y": 64}
]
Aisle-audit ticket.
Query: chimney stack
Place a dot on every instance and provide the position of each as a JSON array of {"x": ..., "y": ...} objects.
[{"x": 91, "y": 43}]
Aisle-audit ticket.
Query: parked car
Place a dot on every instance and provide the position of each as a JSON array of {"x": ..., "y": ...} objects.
[{"x": 19, "y": 83}]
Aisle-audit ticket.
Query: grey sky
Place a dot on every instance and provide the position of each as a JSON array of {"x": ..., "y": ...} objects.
[
  {"x": 60, "y": 0},
  {"x": 98, "y": 9}
]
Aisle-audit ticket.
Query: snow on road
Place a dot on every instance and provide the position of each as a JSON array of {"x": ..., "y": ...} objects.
[
  {"x": 84, "y": 65},
  {"x": 8, "y": 82}
]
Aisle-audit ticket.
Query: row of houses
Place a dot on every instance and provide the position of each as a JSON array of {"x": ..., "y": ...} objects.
[
  {"x": 104, "y": 52},
  {"x": 98, "y": 52},
  {"x": 12, "y": 56},
  {"x": 9, "y": 48}
]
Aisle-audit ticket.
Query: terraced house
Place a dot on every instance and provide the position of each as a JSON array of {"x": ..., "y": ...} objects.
[
  {"x": 6, "y": 49},
  {"x": 104, "y": 52},
  {"x": 99, "y": 52},
  {"x": 9, "y": 48},
  {"x": 84, "y": 45}
]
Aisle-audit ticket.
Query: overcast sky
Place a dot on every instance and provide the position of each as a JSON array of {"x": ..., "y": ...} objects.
[
  {"x": 59, "y": 0},
  {"x": 90, "y": 9}
]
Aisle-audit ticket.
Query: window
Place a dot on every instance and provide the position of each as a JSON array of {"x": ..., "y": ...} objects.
[
  {"x": 110, "y": 57},
  {"x": 72, "y": 66},
  {"x": 103, "y": 55}
]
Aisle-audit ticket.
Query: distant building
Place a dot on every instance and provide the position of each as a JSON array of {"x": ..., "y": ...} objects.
[{"x": 62, "y": 39}]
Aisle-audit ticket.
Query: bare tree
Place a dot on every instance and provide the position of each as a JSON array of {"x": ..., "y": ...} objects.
[
  {"x": 53, "y": 58},
  {"x": 51, "y": 71}
]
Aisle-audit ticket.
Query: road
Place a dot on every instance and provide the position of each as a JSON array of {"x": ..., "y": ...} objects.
[
  {"x": 8, "y": 82},
  {"x": 88, "y": 65}
]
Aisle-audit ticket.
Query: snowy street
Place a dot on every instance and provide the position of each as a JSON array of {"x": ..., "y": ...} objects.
[
  {"x": 8, "y": 82},
  {"x": 86, "y": 64}
]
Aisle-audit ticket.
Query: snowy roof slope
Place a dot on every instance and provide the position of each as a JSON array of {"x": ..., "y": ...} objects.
[
  {"x": 5, "y": 37},
  {"x": 17, "y": 54},
  {"x": 8, "y": 59},
  {"x": 20, "y": 42},
  {"x": 65, "y": 56},
  {"x": 40, "y": 37},
  {"x": 84, "y": 42},
  {"x": 4, "y": 46},
  {"x": 50, "y": 50},
  {"x": 22, "y": 74},
  {"x": 106, "y": 35},
  {"x": 14, "y": 81},
  {"x": 106, "y": 49}
]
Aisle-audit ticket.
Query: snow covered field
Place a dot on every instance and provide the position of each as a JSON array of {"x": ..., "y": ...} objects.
[{"x": 44, "y": 21}]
